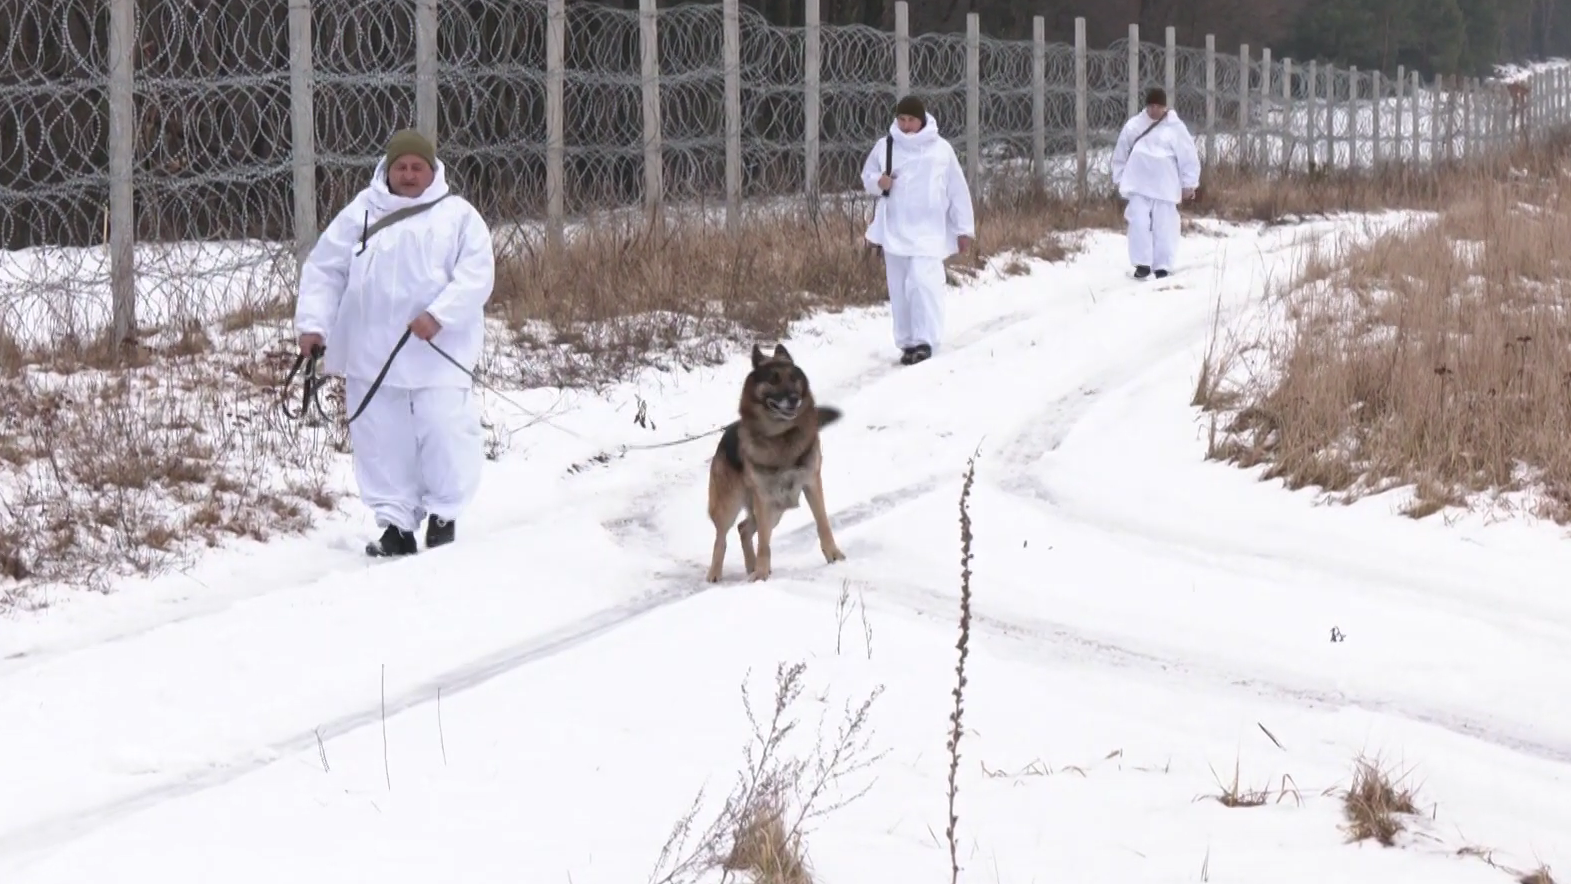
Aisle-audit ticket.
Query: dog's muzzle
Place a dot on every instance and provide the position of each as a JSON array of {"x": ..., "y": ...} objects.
[{"x": 784, "y": 407}]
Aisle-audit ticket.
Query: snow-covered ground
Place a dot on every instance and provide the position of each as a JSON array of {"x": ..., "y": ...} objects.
[{"x": 542, "y": 701}]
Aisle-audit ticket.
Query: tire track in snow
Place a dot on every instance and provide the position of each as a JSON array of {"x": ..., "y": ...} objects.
[
  {"x": 41, "y": 835},
  {"x": 65, "y": 827},
  {"x": 1051, "y": 643},
  {"x": 198, "y": 607},
  {"x": 1044, "y": 433}
]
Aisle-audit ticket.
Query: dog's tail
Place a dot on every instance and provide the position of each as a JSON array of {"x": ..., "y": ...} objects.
[{"x": 827, "y": 414}]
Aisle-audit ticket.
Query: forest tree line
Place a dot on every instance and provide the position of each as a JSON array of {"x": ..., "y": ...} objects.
[{"x": 1466, "y": 37}]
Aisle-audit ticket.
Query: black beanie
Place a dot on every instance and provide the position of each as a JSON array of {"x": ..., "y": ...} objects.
[{"x": 911, "y": 106}]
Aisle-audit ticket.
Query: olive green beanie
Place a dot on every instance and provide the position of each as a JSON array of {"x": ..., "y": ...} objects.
[{"x": 409, "y": 141}]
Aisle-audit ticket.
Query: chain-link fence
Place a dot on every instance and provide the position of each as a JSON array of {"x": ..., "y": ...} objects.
[{"x": 172, "y": 158}]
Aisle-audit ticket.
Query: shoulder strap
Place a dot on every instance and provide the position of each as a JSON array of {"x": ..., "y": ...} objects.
[
  {"x": 398, "y": 215},
  {"x": 1148, "y": 129},
  {"x": 889, "y": 156}
]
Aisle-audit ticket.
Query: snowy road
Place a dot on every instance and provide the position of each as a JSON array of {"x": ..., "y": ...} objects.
[{"x": 1112, "y": 563}]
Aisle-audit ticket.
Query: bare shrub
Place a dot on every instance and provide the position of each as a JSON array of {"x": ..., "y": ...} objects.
[{"x": 762, "y": 826}]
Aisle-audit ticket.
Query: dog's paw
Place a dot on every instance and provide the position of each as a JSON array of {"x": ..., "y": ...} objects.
[
  {"x": 759, "y": 573},
  {"x": 833, "y": 554}
]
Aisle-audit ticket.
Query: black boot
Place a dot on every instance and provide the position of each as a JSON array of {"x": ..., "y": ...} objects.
[
  {"x": 439, "y": 531},
  {"x": 1142, "y": 271},
  {"x": 1161, "y": 274},
  {"x": 919, "y": 353},
  {"x": 394, "y": 541}
]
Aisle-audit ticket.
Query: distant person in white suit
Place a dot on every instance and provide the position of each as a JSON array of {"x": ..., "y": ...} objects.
[
  {"x": 426, "y": 272},
  {"x": 923, "y": 216},
  {"x": 1155, "y": 166}
]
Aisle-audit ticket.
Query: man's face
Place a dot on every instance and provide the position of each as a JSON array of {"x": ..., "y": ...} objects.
[
  {"x": 1155, "y": 111},
  {"x": 410, "y": 175},
  {"x": 908, "y": 124}
]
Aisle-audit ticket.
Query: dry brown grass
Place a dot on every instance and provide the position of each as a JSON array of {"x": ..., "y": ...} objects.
[
  {"x": 1539, "y": 875},
  {"x": 1433, "y": 356},
  {"x": 623, "y": 292},
  {"x": 1240, "y": 194},
  {"x": 1374, "y": 804},
  {"x": 1236, "y": 794},
  {"x": 134, "y": 470},
  {"x": 765, "y": 848}
]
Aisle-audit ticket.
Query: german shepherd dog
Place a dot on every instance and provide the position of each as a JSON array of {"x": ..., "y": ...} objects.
[{"x": 767, "y": 461}]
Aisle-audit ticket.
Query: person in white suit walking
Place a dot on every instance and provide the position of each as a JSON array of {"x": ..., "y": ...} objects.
[
  {"x": 923, "y": 216},
  {"x": 1155, "y": 166},
  {"x": 405, "y": 257}
]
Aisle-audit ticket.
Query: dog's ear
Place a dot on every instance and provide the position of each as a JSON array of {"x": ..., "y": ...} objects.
[
  {"x": 782, "y": 353},
  {"x": 758, "y": 356}
]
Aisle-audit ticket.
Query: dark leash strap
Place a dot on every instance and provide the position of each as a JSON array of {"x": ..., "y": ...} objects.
[
  {"x": 381, "y": 375},
  {"x": 311, "y": 383}
]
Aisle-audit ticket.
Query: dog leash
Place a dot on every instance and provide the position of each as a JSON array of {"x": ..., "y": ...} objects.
[
  {"x": 673, "y": 443},
  {"x": 313, "y": 382}
]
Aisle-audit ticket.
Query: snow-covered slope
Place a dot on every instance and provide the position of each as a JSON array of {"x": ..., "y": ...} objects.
[{"x": 541, "y": 701}]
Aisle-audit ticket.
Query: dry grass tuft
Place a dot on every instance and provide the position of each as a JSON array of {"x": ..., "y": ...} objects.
[
  {"x": 1539, "y": 875},
  {"x": 1374, "y": 805},
  {"x": 105, "y": 473},
  {"x": 1235, "y": 794},
  {"x": 1431, "y": 356},
  {"x": 765, "y": 849},
  {"x": 762, "y": 826}
]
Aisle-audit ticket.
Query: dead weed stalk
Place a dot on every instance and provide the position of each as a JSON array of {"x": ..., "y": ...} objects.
[
  {"x": 963, "y": 646},
  {"x": 762, "y": 825}
]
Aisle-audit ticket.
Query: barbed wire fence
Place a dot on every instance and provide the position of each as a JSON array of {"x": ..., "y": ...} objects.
[{"x": 176, "y": 158}]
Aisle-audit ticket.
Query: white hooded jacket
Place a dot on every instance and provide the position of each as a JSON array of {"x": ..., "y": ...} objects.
[
  {"x": 1162, "y": 165},
  {"x": 439, "y": 262},
  {"x": 929, "y": 207}
]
